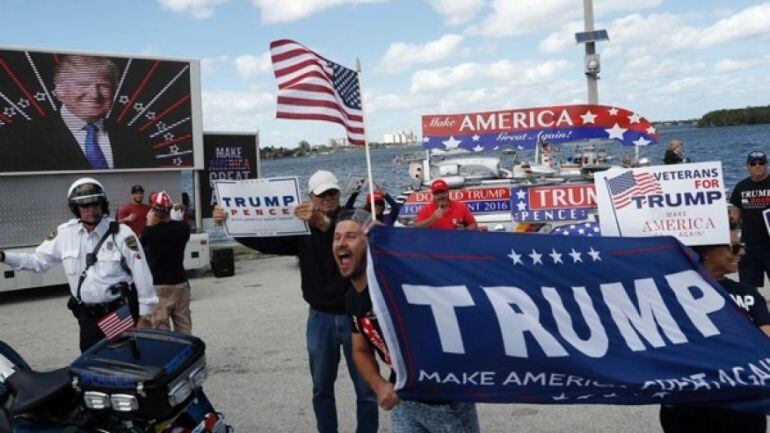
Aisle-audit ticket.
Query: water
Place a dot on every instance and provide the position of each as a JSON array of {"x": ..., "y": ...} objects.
[{"x": 729, "y": 145}]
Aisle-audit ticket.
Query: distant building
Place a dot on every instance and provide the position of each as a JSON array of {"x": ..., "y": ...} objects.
[
  {"x": 338, "y": 142},
  {"x": 401, "y": 137}
]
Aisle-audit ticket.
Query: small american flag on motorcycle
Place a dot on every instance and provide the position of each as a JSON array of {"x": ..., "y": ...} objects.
[{"x": 116, "y": 322}]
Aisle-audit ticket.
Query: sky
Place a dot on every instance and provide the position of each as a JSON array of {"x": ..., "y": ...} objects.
[{"x": 665, "y": 59}]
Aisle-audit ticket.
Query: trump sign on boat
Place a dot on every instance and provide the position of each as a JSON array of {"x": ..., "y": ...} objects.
[
  {"x": 503, "y": 317},
  {"x": 526, "y": 127}
]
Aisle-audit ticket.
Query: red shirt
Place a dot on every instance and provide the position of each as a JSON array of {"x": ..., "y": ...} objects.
[
  {"x": 140, "y": 210},
  {"x": 457, "y": 213}
]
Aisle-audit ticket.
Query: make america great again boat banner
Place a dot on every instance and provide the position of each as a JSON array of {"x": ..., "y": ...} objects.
[
  {"x": 504, "y": 317},
  {"x": 524, "y": 128}
]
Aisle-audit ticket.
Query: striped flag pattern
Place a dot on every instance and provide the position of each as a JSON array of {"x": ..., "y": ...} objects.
[
  {"x": 630, "y": 184},
  {"x": 116, "y": 322},
  {"x": 313, "y": 88}
]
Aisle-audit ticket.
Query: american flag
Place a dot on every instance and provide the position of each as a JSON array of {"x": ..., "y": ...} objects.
[
  {"x": 589, "y": 228},
  {"x": 314, "y": 88},
  {"x": 630, "y": 184},
  {"x": 116, "y": 322}
]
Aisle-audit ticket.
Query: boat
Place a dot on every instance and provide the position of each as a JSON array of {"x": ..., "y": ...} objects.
[{"x": 553, "y": 190}]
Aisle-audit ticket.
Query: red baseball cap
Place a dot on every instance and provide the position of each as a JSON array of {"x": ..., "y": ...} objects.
[
  {"x": 378, "y": 197},
  {"x": 439, "y": 185},
  {"x": 161, "y": 201}
]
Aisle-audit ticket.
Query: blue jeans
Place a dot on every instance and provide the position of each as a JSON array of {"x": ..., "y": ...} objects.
[
  {"x": 415, "y": 417},
  {"x": 754, "y": 265},
  {"x": 325, "y": 334}
]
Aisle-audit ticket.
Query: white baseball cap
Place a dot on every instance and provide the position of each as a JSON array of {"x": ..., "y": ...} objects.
[{"x": 321, "y": 181}]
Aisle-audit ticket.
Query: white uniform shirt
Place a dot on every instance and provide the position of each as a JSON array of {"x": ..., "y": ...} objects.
[{"x": 70, "y": 245}]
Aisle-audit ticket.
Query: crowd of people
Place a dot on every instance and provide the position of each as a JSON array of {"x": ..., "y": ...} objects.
[{"x": 144, "y": 247}]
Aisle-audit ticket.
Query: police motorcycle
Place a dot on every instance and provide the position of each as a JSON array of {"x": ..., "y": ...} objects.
[{"x": 143, "y": 381}]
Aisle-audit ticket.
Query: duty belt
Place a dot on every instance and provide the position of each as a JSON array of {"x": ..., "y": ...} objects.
[{"x": 101, "y": 310}]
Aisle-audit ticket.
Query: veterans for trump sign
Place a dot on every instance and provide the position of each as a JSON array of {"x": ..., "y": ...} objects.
[
  {"x": 503, "y": 317},
  {"x": 686, "y": 201},
  {"x": 526, "y": 127},
  {"x": 261, "y": 207}
]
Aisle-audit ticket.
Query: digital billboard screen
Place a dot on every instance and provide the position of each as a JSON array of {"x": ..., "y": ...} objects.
[{"x": 82, "y": 112}]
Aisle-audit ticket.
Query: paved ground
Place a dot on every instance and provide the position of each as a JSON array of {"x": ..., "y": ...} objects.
[{"x": 254, "y": 324}]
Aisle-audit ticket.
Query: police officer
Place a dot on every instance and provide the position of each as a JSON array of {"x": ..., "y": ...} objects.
[{"x": 98, "y": 282}]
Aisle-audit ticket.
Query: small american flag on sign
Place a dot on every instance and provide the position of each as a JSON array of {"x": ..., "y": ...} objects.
[
  {"x": 116, "y": 322},
  {"x": 630, "y": 184},
  {"x": 313, "y": 88}
]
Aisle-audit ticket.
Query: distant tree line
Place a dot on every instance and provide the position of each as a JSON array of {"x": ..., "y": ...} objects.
[
  {"x": 305, "y": 149},
  {"x": 739, "y": 116}
]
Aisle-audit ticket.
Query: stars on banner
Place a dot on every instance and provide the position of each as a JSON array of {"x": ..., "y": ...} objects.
[
  {"x": 588, "y": 117},
  {"x": 555, "y": 256},
  {"x": 536, "y": 257},
  {"x": 451, "y": 143},
  {"x": 576, "y": 256},
  {"x": 616, "y": 132},
  {"x": 589, "y": 228},
  {"x": 516, "y": 258}
]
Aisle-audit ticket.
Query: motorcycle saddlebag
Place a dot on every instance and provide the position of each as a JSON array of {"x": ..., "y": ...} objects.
[{"x": 145, "y": 374}]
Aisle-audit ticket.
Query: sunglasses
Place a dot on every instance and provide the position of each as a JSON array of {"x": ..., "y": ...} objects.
[
  {"x": 757, "y": 163},
  {"x": 328, "y": 193},
  {"x": 736, "y": 248},
  {"x": 87, "y": 205}
]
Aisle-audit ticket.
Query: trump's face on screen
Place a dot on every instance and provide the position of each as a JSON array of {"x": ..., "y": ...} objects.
[{"x": 86, "y": 86}]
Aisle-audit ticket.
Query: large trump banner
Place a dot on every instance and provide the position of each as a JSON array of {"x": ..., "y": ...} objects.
[{"x": 502, "y": 317}]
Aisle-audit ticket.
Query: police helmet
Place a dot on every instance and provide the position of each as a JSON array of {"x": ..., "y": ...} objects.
[{"x": 86, "y": 191}]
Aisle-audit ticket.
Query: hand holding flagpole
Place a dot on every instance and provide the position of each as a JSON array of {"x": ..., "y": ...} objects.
[{"x": 366, "y": 145}]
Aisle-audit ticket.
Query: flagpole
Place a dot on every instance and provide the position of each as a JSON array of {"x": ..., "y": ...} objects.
[
  {"x": 366, "y": 143},
  {"x": 612, "y": 201}
]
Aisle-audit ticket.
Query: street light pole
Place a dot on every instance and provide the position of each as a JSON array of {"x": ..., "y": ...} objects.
[{"x": 592, "y": 79}]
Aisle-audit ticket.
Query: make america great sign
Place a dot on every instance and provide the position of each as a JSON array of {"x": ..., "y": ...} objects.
[{"x": 504, "y": 317}]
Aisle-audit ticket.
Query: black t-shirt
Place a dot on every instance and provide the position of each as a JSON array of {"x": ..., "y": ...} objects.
[
  {"x": 752, "y": 198},
  {"x": 322, "y": 285},
  {"x": 749, "y": 300},
  {"x": 164, "y": 245},
  {"x": 359, "y": 307}
]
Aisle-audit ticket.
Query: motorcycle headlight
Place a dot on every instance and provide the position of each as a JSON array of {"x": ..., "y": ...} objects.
[
  {"x": 179, "y": 393},
  {"x": 198, "y": 376},
  {"x": 96, "y": 400},
  {"x": 124, "y": 402}
]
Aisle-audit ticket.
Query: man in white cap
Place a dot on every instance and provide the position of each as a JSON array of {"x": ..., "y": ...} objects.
[{"x": 323, "y": 288}]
